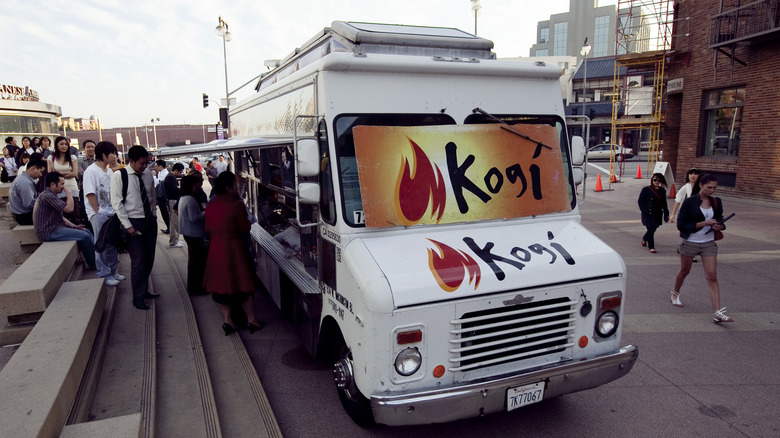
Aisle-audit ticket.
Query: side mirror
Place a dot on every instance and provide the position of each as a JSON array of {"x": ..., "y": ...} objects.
[
  {"x": 577, "y": 151},
  {"x": 308, "y": 193},
  {"x": 307, "y": 157}
]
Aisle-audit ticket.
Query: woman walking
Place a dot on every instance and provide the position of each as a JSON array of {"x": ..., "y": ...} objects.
[
  {"x": 652, "y": 204},
  {"x": 229, "y": 276},
  {"x": 700, "y": 216},
  {"x": 685, "y": 191}
]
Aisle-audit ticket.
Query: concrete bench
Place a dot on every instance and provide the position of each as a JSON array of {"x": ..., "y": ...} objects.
[
  {"x": 5, "y": 190},
  {"x": 27, "y": 292},
  {"x": 28, "y": 241},
  {"x": 40, "y": 382}
]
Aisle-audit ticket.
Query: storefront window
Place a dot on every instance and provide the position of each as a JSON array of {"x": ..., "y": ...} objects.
[
  {"x": 722, "y": 122},
  {"x": 25, "y": 125}
]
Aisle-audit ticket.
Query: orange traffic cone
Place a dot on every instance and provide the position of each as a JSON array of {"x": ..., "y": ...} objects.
[
  {"x": 638, "y": 172},
  {"x": 598, "y": 184},
  {"x": 612, "y": 178},
  {"x": 672, "y": 193}
]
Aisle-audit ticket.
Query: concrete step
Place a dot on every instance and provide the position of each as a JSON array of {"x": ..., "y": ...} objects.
[{"x": 174, "y": 366}]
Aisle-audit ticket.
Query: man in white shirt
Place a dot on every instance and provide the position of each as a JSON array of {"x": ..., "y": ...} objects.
[
  {"x": 135, "y": 209},
  {"x": 221, "y": 165},
  {"x": 162, "y": 172},
  {"x": 97, "y": 196}
]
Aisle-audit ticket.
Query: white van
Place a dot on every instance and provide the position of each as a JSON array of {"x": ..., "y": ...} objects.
[{"x": 418, "y": 222}]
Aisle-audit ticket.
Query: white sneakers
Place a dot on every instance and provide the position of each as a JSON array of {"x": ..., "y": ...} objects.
[
  {"x": 114, "y": 279},
  {"x": 177, "y": 245}
]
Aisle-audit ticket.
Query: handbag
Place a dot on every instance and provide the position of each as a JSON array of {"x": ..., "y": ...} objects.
[{"x": 111, "y": 234}]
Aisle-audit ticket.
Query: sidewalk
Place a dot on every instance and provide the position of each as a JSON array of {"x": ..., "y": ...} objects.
[{"x": 702, "y": 378}]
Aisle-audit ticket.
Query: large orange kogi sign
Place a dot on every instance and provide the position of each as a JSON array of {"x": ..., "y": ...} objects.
[{"x": 445, "y": 174}]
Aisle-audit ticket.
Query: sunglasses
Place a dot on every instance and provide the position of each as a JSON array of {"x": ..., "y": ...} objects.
[{"x": 656, "y": 180}]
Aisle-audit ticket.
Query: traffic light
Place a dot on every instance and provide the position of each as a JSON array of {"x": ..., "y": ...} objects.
[{"x": 205, "y": 100}]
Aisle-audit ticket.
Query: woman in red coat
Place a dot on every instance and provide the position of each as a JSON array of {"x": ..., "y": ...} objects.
[{"x": 229, "y": 276}]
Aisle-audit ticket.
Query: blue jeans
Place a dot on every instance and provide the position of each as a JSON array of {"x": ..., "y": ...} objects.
[
  {"x": 107, "y": 261},
  {"x": 84, "y": 239}
]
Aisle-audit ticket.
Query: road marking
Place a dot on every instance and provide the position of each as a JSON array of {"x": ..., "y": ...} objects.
[{"x": 699, "y": 322}]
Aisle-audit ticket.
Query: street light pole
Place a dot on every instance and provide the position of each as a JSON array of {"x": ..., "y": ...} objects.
[
  {"x": 154, "y": 126},
  {"x": 584, "y": 52},
  {"x": 475, "y": 6},
  {"x": 222, "y": 31}
]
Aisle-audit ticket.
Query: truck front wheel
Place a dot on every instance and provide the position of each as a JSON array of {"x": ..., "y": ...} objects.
[{"x": 356, "y": 404}]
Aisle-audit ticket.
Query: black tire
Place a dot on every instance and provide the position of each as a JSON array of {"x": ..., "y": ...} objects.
[{"x": 356, "y": 404}]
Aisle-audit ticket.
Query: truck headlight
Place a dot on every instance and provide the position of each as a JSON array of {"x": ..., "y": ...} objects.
[
  {"x": 408, "y": 361},
  {"x": 607, "y": 324}
]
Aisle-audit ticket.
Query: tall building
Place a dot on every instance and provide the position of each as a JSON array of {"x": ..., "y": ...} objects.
[{"x": 564, "y": 34}]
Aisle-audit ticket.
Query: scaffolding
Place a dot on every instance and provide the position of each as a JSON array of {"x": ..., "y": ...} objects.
[{"x": 643, "y": 38}]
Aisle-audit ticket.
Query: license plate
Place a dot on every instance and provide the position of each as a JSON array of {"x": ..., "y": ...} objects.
[{"x": 524, "y": 395}]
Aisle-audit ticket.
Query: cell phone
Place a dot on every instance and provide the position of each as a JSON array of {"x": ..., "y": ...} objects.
[{"x": 138, "y": 233}]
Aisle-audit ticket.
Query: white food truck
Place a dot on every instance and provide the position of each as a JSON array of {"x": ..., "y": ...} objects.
[{"x": 418, "y": 221}]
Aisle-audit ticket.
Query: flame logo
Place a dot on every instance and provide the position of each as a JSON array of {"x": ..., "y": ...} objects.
[
  {"x": 450, "y": 267},
  {"x": 417, "y": 187}
]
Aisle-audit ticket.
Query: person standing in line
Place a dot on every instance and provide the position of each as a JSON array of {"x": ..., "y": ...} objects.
[
  {"x": 222, "y": 165},
  {"x": 191, "y": 216},
  {"x": 195, "y": 164},
  {"x": 172, "y": 194},
  {"x": 700, "y": 215},
  {"x": 50, "y": 223},
  {"x": 85, "y": 160},
  {"x": 23, "y": 193},
  {"x": 685, "y": 191},
  {"x": 88, "y": 158},
  {"x": 97, "y": 191},
  {"x": 652, "y": 204},
  {"x": 136, "y": 213},
  {"x": 162, "y": 202},
  {"x": 211, "y": 173},
  {"x": 9, "y": 158},
  {"x": 46, "y": 147},
  {"x": 229, "y": 276},
  {"x": 26, "y": 147},
  {"x": 68, "y": 166}
]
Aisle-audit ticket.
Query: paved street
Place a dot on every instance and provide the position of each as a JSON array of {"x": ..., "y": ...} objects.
[{"x": 693, "y": 378}]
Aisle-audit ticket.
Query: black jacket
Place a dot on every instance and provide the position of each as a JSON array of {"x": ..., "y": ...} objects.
[
  {"x": 690, "y": 214},
  {"x": 653, "y": 206},
  {"x": 171, "y": 185}
]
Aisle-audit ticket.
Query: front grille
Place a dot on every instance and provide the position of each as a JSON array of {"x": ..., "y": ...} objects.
[{"x": 495, "y": 336}]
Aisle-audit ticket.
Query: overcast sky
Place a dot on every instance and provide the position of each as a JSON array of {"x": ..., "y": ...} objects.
[{"x": 127, "y": 61}]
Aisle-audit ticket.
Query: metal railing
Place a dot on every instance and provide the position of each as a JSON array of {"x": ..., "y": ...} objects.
[{"x": 745, "y": 22}]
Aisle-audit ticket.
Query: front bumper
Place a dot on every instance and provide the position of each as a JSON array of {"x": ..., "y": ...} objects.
[{"x": 476, "y": 399}]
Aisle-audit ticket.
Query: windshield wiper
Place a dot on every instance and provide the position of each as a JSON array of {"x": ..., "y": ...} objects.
[{"x": 508, "y": 127}]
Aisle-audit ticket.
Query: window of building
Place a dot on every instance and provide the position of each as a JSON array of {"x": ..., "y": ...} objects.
[
  {"x": 544, "y": 35},
  {"x": 560, "y": 37},
  {"x": 601, "y": 37},
  {"x": 722, "y": 121},
  {"x": 542, "y": 52}
]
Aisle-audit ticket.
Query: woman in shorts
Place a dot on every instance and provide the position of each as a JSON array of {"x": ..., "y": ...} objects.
[{"x": 700, "y": 215}]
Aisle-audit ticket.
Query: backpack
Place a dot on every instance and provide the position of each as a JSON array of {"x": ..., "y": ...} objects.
[{"x": 162, "y": 195}]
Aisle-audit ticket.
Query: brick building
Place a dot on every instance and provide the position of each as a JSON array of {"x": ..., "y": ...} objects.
[{"x": 723, "y": 108}]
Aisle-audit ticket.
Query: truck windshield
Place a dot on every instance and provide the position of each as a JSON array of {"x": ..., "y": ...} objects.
[
  {"x": 402, "y": 169},
  {"x": 347, "y": 162}
]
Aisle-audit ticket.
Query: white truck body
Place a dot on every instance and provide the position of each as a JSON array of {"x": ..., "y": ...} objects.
[{"x": 530, "y": 308}]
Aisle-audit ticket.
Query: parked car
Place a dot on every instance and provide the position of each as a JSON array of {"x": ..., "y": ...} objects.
[{"x": 602, "y": 152}]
